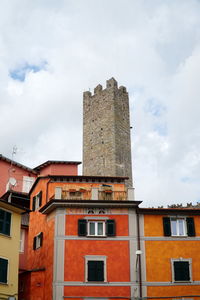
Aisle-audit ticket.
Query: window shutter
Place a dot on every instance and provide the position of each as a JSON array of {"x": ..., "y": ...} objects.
[
  {"x": 190, "y": 226},
  {"x": 110, "y": 228},
  {"x": 34, "y": 243},
  {"x": 100, "y": 270},
  {"x": 33, "y": 205},
  {"x": 91, "y": 270},
  {"x": 95, "y": 270},
  {"x": 181, "y": 271},
  {"x": 7, "y": 223},
  {"x": 166, "y": 226},
  {"x": 40, "y": 198},
  {"x": 82, "y": 227},
  {"x": 3, "y": 270},
  {"x": 41, "y": 239}
]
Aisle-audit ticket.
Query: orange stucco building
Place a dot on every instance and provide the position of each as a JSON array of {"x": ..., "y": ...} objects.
[
  {"x": 82, "y": 239},
  {"x": 170, "y": 245}
]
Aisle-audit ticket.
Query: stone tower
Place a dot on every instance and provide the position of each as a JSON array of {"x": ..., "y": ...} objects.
[{"x": 106, "y": 132}]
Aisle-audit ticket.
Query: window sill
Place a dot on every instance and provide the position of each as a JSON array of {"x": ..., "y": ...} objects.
[
  {"x": 96, "y": 236},
  {"x": 4, "y": 283},
  {"x": 5, "y": 235},
  {"x": 179, "y": 236},
  {"x": 96, "y": 282},
  {"x": 183, "y": 281}
]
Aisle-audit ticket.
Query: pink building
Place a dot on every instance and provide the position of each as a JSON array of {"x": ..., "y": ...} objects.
[{"x": 15, "y": 176}]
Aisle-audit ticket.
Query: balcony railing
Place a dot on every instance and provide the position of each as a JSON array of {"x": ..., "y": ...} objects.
[{"x": 87, "y": 195}]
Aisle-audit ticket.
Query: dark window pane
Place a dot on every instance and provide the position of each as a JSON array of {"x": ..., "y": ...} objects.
[
  {"x": 181, "y": 271},
  {"x": 3, "y": 270},
  {"x": 5, "y": 221},
  {"x": 95, "y": 270}
]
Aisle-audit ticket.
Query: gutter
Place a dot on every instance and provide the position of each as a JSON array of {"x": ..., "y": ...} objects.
[{"x": 139, "y": 256}]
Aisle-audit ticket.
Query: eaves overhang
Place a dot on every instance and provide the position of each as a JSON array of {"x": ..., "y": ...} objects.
[{"x": 56, "y": 203}]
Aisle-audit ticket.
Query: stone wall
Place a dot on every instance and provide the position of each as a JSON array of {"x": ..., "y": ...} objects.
[{"x": 106, "y": 132}]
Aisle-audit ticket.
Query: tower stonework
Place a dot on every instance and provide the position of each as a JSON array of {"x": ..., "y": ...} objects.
[{"x": 106, "y": 132}]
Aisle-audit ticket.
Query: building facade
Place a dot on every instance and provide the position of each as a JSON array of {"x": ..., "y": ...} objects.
[
  {"x": 170, "y": 245},
  {"x": 82, "y": 239},
  {"x": 106, "y": 132},
  {"x": 10, "y": 223}
]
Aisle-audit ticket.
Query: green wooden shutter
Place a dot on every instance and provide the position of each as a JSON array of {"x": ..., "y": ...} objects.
[
  {"x": 95, "y": 270},
  {"x": 34, "y": 243},
  {"x": 110, "y": 228},
  {"x": 190, "y": 226},
  {"x": 7, "y": 223},
  {"x": 33, "y": 204},
  {"x": 3, "y": 270},
  {"x": 40, "y": 198},
  {"x": 181, "y": 271},
  {"x": 82, "y": 227},
  {"x": 41, "y": 239},
  {"x": 166, "y": 226}
]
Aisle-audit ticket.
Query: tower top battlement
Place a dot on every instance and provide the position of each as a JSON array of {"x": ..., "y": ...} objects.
[{"x": 111, "y": 84}]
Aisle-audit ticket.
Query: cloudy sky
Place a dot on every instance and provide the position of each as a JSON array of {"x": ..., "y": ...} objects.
[{"x": 51, "y": 51}]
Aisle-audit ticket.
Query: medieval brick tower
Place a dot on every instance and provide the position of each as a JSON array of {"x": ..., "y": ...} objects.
[{"x": 106, "y": 132}]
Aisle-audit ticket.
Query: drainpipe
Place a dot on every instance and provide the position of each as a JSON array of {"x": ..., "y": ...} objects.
[{"x": 139, "y": 256}]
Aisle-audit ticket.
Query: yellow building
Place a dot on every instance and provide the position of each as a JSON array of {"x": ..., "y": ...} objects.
[{"x": 10, "y": 223}]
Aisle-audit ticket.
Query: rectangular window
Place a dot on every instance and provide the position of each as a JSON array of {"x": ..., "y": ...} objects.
[
  {"x": 181, "y": 270},
  {"x": 27, "y": 183},
  {"x": 21, "y": 242},
  {"x": 178, "y": 226},
  {"x": 37, "y": 201},
  {"x": 3, "y": 270},
  {"x": 37, "y": 241},
  {"x": 96, "y": 228},
  {"x": 95, "y": 268},
  {"x": 5, "y": 222}
]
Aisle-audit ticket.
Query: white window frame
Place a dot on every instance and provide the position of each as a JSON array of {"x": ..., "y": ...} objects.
[
  {"x": 96, "y": 222},
  {"x": 5, "y": 258},
  {"x": 22, "y": 240},
  {"x": 189, "y": 260},
  {"x": 96, "y": 258},
  {"x": 177, "y": 219},
  {"x": 38, "y": 241}
]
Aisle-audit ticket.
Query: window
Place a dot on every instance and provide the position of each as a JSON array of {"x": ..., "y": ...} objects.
[
  {"x": 178, "y": 226},
  {"x": 37, "y": 201},
  {"x": 96, "y": 228},
  {"x": 3, "y": 270},
  {"x": 21, "y": 242},
  {"x": 37, "y": 241},
  {"x": 5, "y": 222},
  {"x": 181, "y": 270},
  {"x": 27, "y": 183},
  {"x": 95, "y": 268}
]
